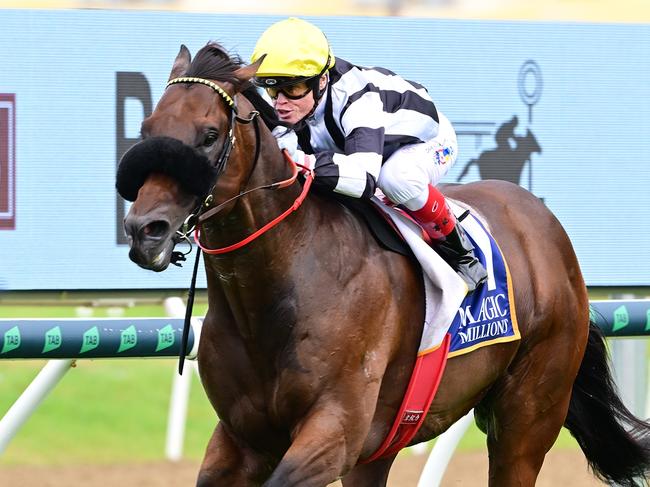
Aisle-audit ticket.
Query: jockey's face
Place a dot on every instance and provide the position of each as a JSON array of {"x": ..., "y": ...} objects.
[{"x": 293, "y": 110}]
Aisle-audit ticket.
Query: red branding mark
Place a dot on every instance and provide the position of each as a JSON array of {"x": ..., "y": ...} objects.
[
  {"x": 411, "y": 417},
  {"x": 7, "y": 161}
]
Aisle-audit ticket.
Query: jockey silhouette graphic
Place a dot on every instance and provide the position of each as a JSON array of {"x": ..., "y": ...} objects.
[{"x": 508, "y": 159}]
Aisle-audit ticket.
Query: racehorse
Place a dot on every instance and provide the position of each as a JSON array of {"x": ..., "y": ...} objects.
[{"x": 313, "y": 327}]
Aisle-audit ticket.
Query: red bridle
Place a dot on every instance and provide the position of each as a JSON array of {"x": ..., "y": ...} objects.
[{"x": 309, "y": 177}]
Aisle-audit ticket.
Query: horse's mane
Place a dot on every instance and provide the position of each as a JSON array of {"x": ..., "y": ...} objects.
[{"x": 215, "y": 63}]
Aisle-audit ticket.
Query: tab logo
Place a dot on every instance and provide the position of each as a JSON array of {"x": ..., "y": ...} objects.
[{"x": 7, "y": 161}]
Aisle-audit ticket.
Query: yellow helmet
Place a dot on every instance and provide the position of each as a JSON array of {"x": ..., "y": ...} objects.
[{"x": 294, "y": 48}]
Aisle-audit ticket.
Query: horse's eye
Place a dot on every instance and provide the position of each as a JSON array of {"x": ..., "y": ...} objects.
[{"x": 210, "y": 138}]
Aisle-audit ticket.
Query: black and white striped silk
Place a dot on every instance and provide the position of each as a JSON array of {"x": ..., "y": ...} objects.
[{"x": 371, "y": 112}]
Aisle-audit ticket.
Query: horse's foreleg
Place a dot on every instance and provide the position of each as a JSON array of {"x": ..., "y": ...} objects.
[
  {"x": 320, "y": 450},
  {"x": 227, "y": 464}
]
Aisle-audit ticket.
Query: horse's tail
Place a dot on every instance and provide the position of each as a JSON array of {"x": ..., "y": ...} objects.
[{"x": 615, "y": 442}]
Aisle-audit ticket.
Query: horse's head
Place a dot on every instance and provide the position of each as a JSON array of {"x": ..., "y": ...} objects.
[{"x": 186, "y": 148}]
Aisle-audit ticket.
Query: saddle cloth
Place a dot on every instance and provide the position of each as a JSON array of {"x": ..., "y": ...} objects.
[
  {"x": 484, "y": 317},
  {"x": 455, "y": 323}
]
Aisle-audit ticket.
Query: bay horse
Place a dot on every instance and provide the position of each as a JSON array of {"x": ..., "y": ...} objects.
[{"x": 313, "y": 328}]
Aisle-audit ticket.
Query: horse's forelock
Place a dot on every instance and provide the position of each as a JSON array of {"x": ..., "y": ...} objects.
[{"x": 215, "y": 63}]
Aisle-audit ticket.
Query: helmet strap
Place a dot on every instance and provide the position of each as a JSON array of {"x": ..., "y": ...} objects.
[
  {"x": 317, "y": 91},
  {"x": 318, "y": 95}
]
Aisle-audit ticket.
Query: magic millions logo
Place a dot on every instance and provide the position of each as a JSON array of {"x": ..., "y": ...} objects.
[
  {"x": 512, "y": 158},
  {"x": 7, "y": 161},
  {"x": 490, "y": 320}
]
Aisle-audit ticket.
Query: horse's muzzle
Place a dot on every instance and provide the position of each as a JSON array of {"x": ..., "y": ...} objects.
[{"x": 150, "y": 240}]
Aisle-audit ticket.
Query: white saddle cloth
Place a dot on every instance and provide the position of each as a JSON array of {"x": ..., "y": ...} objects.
[{"x": 444, "y": 288}]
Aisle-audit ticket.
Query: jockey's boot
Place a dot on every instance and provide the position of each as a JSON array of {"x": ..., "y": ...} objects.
[
  {"x": 449, "y": 238},
  {"x": 458, "y": 251}
]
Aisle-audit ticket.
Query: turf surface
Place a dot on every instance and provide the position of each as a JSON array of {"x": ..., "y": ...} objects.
[{"x": 108, "y": 411}]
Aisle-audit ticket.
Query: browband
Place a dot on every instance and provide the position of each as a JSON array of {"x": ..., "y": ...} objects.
[{"x": 205, "y": 82}]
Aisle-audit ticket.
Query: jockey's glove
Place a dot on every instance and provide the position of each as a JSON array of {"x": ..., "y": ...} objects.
[
  {"x": 287, "y": 139},
  {"x": 305, "y": 162}
]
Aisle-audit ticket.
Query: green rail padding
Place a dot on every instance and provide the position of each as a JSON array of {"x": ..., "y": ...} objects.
[
  {"x": 622, "y": 318},
  {"x": 91, "y": 338}
]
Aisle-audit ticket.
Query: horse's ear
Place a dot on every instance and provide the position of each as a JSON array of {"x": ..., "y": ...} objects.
[
  {"x": 245, "y": 73},
  {"x": 181, "y": 63}
]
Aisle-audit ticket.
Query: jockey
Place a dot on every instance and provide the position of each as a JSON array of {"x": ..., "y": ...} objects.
[{"x": 361, "y": 128}]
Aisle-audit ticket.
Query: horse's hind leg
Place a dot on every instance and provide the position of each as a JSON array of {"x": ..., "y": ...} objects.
[
  {"x": 524, "y": 412},
  {"x": 374, "y": 474},
  {"x": 226, "y": 464}
]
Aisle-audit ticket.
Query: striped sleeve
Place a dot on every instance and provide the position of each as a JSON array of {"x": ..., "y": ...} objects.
[
  {"x": 355, "y": 172},
  {"x": 378, "y": 112},
  {"x": 349, "y": 174}
]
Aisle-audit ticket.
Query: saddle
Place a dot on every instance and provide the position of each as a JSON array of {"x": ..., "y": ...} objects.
[{"x": 380, "y": 226}]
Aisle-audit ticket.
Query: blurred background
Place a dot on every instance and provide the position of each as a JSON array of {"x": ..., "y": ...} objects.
[{"x": 569, "y": 10}]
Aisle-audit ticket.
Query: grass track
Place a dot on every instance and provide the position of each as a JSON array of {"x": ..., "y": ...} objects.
[
  {"x": 115, "y": 411},
  {"x": 103, "y": 411}
]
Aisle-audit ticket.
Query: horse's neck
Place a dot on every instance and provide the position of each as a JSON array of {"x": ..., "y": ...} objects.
[
  {"x": 258, "y": 279},
  {"x": 262, "y": 206}
]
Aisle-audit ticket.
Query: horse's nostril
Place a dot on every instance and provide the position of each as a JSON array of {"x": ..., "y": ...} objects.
[{"x": 155, "y": 229}]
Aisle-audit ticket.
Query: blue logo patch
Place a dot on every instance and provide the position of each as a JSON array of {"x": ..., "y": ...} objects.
[{"x": 485, "y": 316}]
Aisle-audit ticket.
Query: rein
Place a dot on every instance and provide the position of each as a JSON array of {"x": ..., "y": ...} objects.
[
  {"x": 278, "y": 185},
  {"x": 200, "y": 216}
]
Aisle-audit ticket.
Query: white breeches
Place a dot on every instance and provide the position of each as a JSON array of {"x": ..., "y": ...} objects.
[{"x": 405, "y": 176}]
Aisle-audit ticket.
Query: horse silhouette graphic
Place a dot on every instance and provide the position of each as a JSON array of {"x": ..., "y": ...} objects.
[{"x": 507, "y": 160}]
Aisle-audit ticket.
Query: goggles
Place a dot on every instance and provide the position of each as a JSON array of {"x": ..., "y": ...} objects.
[{"x": 292, "y": 89}]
